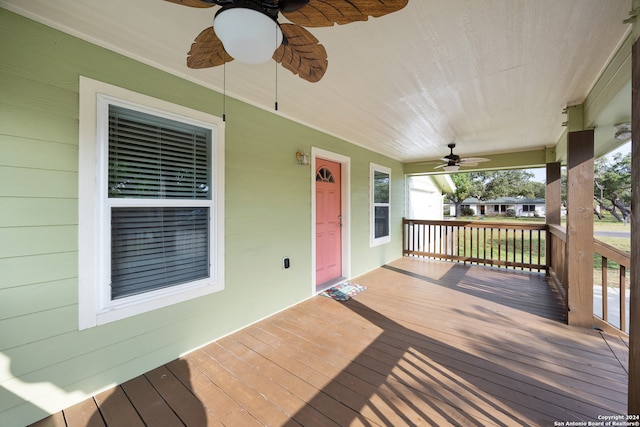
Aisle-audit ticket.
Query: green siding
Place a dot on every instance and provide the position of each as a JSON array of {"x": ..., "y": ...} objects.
[{"x": 268, "y": 216}]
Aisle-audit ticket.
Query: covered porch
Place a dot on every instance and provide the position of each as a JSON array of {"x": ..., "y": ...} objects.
[{"x": 428, "y": 343}]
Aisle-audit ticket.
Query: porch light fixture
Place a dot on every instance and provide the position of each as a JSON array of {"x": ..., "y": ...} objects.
[
  {"x": 303, "y": 158},
  {"x": 451, "y": 168},
  {"x": 247, "y": 33}
]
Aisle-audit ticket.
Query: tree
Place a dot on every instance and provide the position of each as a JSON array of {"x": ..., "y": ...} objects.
[
  {"x": 509, "y": 183},
  {"x": 492, "y": 185},
  {"x": 612, "y": 186},
  {"x": 464, "y": 188}
]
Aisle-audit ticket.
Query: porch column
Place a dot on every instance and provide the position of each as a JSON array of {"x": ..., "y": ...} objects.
[
  {"x": 580, "y": 153},
  {"x": 553, "y": 195},
  {"x": 634, "y": 309},
  {"x": 553, "y": 202}
]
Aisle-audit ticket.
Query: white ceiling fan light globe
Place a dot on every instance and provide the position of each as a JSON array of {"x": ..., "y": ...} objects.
[{"x": 248, "y": 35}]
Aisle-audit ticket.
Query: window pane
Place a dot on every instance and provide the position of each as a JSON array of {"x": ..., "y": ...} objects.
[
  {"x": 381, "y": 221},
  {"x": 380, "y": 187},
  {"x": 154, "y": 248},
  {"x": 155, "y": 157}
]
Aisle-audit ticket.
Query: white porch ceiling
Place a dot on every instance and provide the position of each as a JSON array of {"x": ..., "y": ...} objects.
[{"x": 491, "y": 75}]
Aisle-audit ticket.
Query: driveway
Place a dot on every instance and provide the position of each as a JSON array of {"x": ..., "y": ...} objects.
[{"x": 613, "y": 305}]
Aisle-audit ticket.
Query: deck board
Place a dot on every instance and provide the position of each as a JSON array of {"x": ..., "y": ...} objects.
[
  {"x": 620, "y": 347},
  {"x": 116, "y": 408},
  {"x": 181, "y": 400},
  {"x": 149, "y": 404},
  {"x": 84, "y": 414},
  {"x": 428, "y": 343}
]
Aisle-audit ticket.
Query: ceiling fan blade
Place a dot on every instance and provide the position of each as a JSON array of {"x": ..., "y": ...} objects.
[
  {"x": 440, "y": 166},
  {"x": 301, "y": 53},
  {"x": 467, "y": 164},
  {"x": 207, "y": 51},
  {"x": 427, "y": 163},
  {"x": 193, "y": 3},
  {"x": 326, "y": 13}
]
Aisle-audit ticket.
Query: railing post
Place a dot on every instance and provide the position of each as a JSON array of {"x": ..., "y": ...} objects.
[
  {"x": 404, "y": 237},
  {"x": 605, "y": 288}
]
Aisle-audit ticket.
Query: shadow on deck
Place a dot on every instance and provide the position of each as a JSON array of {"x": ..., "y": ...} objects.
[{"x": 429, "y": 343}]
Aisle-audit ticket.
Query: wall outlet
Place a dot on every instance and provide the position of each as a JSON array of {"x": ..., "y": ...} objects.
[{"x": 286, "y": 263}]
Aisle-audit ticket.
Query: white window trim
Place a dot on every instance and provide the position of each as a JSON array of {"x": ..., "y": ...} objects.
[
  {"x": 385, "y": 239},
  {"x": 95, "y": 305}
]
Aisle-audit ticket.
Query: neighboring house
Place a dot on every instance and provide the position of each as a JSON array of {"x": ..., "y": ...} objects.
[
  {"x": 530, "y": 208},
  {"x": 471, "y": 203},
  {"x": 234, "y": 223},
  {"x": 520, "y": 206}
]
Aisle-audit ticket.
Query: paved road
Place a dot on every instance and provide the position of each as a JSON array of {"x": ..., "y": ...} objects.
[
  {"x": 613, "y": 305},
  {"x": 612, "y": 233}
]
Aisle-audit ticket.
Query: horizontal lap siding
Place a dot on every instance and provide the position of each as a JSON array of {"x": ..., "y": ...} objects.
[
  {"x": 43, "y": 356},
  {"x": 38, "y": 218}
]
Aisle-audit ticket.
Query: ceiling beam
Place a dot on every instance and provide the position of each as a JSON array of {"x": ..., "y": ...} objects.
[
  {"x": 613, "y": 86},
  {"x": 615, "y": 76}
]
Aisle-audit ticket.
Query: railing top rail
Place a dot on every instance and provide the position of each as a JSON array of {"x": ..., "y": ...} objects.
[
  {"x": 558, "y": 230},
  {"x": 599, "y": 247},
  {"x": 480, "y": 224},
  {"x": 611, "y": 253}
]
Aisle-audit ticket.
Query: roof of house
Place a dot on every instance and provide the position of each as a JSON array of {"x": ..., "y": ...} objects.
[{"x": 504, "y": 201}]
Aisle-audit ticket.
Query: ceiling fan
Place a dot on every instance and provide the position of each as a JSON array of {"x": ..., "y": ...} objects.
[
  {"x": 453, "y": 161},
  {"x": 248, "y": 30}
]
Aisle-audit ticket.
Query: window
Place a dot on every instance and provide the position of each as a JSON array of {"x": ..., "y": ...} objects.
[
  {"x": 528, "y": 208},
  {"x": 151, "y": 204},
  {"x": 380, "y": 206},
  {"x": 325, "y": 175}
]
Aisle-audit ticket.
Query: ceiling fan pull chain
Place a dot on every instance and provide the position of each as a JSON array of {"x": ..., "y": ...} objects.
[
  {"x": 276, "y": 62},
  {"x": 224, "y": 92}
]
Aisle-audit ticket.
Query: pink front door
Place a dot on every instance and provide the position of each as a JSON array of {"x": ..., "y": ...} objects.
[{"x": 328, "y": 221}]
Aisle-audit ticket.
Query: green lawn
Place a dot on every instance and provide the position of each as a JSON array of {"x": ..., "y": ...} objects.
[{"x": 608, "y": 223}]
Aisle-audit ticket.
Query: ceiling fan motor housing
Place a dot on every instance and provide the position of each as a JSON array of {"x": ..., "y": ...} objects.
[{"x": 249, "y": 33}]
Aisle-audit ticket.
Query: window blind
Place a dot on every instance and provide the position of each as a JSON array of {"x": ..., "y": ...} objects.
[
  {"x": 154, "y": 248},
  {"x": 155, "y": 157},
  {"x": 381, "y": 204},
  {"x": 157, "y": 246}
]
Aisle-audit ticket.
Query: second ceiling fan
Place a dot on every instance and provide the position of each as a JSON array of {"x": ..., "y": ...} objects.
[{"x": 453, "y": 161}]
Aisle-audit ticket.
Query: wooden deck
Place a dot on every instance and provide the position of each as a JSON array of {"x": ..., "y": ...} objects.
[{"x": 429, "y": 343}]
